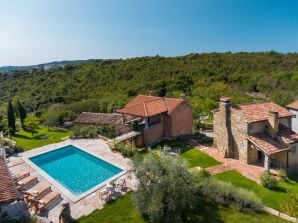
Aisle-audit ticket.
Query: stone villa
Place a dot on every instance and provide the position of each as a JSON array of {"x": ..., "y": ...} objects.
[
  {"x": 293, "y": 107},
  {"x": 257, "y": 133}
]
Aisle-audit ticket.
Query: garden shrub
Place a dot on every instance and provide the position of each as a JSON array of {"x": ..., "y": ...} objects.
[
  {"x": 6, "y": 142},
  {"x": 203, "y": 173},
  {"x": 85, "y": 132},
  {"x": 126, "y": 150},
  {"x": 226, "y": 194},
  {"x": 290, "y": 207},
  {"x": 107, "y": 130},
  {"x": 282, "y": 174},
  {"x": 267, "y": 180},
  {"x": 18, "y": 149},
  {"x": 134, "y": 125}
]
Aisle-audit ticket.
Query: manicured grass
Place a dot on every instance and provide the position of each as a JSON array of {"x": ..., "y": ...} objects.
[
  {"x": 123, "y": 210},
  {"x": 272, "y": 198},
  {"x": 196, "y": 157},
  {"x": 193, "y": 156},
  {"x": 27, "y": 141}
]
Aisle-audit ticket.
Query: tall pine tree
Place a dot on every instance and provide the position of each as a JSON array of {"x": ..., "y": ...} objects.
[
  {"x": 11, "y": 119},
  {"x": 22, "y": 113}
]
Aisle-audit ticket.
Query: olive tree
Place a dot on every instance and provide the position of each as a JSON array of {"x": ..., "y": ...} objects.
[
  {"x": 166, "y": 187},
  {"x": 32, "y": 124}
]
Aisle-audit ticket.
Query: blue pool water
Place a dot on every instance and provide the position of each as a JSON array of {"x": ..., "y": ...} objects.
[{"x": 75, "y": 169}]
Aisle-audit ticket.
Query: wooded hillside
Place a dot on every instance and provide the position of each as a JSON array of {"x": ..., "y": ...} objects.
[{"x": 100, "y": 85}]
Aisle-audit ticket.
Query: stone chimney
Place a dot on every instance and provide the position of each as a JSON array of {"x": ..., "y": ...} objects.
[
  {"x": 183, "y": 97},
  {"x": 226, "y": 148},
  {"x": 150, "y": 93},
  {"x": 273, "y": 119},
  {"x": 225, "y": 99}
]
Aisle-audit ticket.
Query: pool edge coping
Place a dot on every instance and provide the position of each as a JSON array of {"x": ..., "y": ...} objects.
[{"x": 63, "y": 189}]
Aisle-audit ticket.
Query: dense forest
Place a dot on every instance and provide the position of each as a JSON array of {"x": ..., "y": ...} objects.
[{"x": 101, "y": 85}]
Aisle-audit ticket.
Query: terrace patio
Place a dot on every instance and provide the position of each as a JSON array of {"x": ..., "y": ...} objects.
[{"x": 90, "y": 202}]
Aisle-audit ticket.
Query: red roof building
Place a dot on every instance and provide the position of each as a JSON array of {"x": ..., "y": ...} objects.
[
  {"x": 157, "y": 117},
  {"x": 256, "y": 133}
]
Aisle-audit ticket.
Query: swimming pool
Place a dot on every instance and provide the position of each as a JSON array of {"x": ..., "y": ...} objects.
[{"x": 74, "y": 169}]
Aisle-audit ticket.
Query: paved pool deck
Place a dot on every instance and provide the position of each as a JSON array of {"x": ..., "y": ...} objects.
[{"x": 89, "y": 203}]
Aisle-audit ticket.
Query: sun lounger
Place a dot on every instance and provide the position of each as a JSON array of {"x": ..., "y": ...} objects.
[
  {"x": 20, "y": 175},
  {"x": 26, "y": 182},
  {"x": 42, "y": 203},
  {"x": 36, "y": 192}
]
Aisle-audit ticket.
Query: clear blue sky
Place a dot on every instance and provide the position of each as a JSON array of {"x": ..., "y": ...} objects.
[{"x": 37, "y": 31}]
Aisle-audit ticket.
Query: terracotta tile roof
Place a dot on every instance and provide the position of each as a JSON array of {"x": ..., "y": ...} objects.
[
  {"x": 98, "y": 118},
  {"x": 266, "y": 143},
  {"x": 146, "y": 106},
  {"x": 8, "y": 192},
  {"x": 259, "y": 111},
  {"x": 293, "y": 105},
  {"x": 287, "y": 135}
]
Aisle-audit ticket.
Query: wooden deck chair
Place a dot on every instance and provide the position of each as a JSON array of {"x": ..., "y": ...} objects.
[
  {"x": 20, "y": 175},
  {"x": 42, "y": 203},
  {"x": 26, "y": 182},
  {"x": 36, "y": 192}
]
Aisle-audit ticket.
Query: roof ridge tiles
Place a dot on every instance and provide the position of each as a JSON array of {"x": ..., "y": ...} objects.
[
  {"x": 145, "y": 109},
  {"x": 164, "y": 101}
]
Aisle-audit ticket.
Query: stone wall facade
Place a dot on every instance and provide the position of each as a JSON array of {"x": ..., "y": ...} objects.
[{"x": 239, "y": 133}]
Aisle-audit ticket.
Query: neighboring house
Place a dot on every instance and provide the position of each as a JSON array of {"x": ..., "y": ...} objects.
[
  {"x": 100, "y": 119},
  {"x": 293, "y": 107},
  {"x": 157, "y": 117},
  {"x": 257, "y": 133}
]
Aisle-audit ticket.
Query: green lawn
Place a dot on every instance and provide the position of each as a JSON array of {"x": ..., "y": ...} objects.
[
  {"x": 196, "y": 157},
  {"x": 272, "y": 198},
  {"x": 27, "y": 141},
  {"x": 123, "y": 210},
  {"x": 193, "y": 156}
]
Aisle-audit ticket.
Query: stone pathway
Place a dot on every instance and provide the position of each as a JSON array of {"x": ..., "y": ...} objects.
[
  {"x": 252, "y": 172},
  {"x": 219, "y": 168}
]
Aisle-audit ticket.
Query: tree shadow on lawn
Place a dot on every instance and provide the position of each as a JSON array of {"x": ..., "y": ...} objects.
[
  {"x": 293, "y": 177},
  {"x": 177, "y": 145},
  {"x": 21, "y": 136},
  {"x": 279, "y": 189},
  {"x": 204, "y": 211},
  {"x": 57, "y": 130}
]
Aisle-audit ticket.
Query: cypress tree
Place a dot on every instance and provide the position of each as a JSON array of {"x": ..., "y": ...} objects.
[
  {"x": 11, "y": 119},
  {"x": 22, "y": 113}
]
